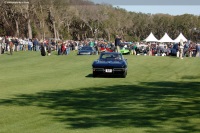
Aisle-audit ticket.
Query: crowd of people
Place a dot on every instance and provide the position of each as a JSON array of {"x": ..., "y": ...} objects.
[
  {"x": 169, "y": 49},
  {"x": 10, "y": 44}
]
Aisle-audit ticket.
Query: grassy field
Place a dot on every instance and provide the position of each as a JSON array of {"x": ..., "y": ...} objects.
[{"x": 57, "y": 94}]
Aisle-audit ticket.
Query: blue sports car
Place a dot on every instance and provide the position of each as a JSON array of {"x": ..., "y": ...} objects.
[
  {"x": 86, "y": 50},
  {"x": 110, "y": 63}
]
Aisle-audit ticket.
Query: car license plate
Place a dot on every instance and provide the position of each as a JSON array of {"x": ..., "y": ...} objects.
[{"x": 109, "y": 70}]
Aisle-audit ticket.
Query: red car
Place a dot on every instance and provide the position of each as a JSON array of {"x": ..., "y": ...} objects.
[{"x": 102, "y": 49}]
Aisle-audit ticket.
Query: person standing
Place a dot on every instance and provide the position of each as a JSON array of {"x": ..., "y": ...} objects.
[
  {"x": 16, "y": 42},
  {"x": 63, "y": 48},
  {"x": 181, "y": 49},
  {"x": 117, "y": 43},
  {"x": 35, "y": 44},
  {"x": 11, "y": 46},
  {"x": 30, "y": 45},
  {"x": 149, "y": 49},
  {"x": 43, "y": 52},
  {"x": 59, "y": 48},
  {"x": 49, "y": 49},
  {"x": 198, "y": 50},
  {"x": 53, "y": 44}
]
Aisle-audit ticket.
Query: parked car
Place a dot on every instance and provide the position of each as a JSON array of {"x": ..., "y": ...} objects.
[
  {"x": 102, "y": 49},
  {"x": 125, "y": 50},
  {"x": 141, "y": 49},
  {"x": 86, "y": 50},
  {"x": 110, "y": 63}
]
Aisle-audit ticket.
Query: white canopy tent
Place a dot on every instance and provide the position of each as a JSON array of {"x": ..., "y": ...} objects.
[
  {"x": 166, "y": 38},
  {"x": 151, "y": 38},
  {"x": 180, "y": 37}
]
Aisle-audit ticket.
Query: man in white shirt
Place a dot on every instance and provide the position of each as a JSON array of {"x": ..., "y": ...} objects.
[{"x": 181, "y": 49}]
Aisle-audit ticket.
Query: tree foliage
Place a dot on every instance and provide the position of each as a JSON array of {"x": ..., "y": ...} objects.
[{"x": 79, "y": 19}]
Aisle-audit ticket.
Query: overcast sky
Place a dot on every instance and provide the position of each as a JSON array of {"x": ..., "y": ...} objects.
[{"x": 172, "y": 7}]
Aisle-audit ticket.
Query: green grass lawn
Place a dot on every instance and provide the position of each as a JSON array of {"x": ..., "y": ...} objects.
[{"x": 57, "y": 94}]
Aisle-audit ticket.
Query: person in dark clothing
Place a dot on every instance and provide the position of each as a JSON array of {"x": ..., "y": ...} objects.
[
  {"x": 49, "y": 49},
  {"x": 158, "y": 49},
  {"x": 43, "y": 53},
  {"x": 53, "y": 44},
  {"x": 16, "y": 42},
  {"x": 35, "y": 44},
  {"x": 186, "y": 49},
  {"x": 117, "y": 43},
  {"x": 7, "y": 43}
]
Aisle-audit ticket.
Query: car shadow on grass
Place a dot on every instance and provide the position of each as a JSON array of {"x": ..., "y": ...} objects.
[{"x": 155, "y": 106}]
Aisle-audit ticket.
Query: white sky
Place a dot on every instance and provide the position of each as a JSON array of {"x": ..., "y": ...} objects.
[
  {"x": 172, "y": 7},
  {"x": 169, "y": 9}
]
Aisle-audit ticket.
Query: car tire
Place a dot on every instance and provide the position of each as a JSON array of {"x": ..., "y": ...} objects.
[
  {"x": 94, "y": 75},
  {"x": 124, "y": 74}
]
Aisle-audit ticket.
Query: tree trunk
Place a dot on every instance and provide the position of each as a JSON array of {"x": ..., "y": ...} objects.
[
  {"x": 43, "y": 36},
  {"x": 43, "y": 29},
  {"x": 58, "y": 35},
  {"x": 108, "y": 34},
  {"x": 17, "y": 28},
  {"x": 54, "y": 29},
  {"x": 30, "y": 36},
  {"x": 78, "y": 37},
  {"x": 68, "y": 25},
  {"x": 82, "y": 36}
]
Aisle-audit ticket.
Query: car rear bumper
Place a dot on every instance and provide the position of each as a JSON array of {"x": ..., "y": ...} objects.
[{"x": 109, "y": 71}]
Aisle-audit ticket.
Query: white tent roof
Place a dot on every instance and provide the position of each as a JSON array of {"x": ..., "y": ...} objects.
[
  {"x": 151, "y": 38},
  {"x": 180, "y": 37},
  {"x": 166, "y": 38}
]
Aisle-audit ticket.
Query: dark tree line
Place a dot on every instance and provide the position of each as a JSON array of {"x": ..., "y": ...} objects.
[{"x": 79, "y": 19}]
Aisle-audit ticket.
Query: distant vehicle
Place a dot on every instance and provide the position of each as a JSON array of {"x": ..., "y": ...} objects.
[
  {"x": 125, "y": 44},
  {"x": 125, "y": 50},
  {"x": 110, "y": 63},
  {"x": 86, "y": 50},
  {"x": 102, "y": 49},
  {"x": 142, "y": 49},
  {"x": 125, "y": 47}
]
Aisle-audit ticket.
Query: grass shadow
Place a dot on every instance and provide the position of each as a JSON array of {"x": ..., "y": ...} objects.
[
  {"x": 150, "y": 105},
  {"x": 191, "y": 77}
]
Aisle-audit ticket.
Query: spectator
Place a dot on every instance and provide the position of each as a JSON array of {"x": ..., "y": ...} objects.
[
  {"x": 67, "y": 49},
  {"x": 181, "y": 49},
  {"x": 198, "y": 50},
  {"x": 43, "y": 53},
  {"x": 49, "y": 49},
  {"x": 11, "y": 46},
  {"x": 30, "y": 45},
  {"x": 63, "y": 48},
  {"x": 117, "y": 43},
  {"x": 186, "y": 49},
  {"x": 53, "y": 44}
]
